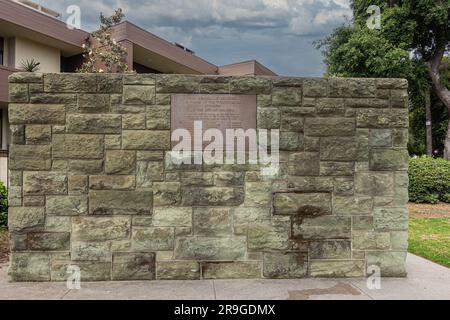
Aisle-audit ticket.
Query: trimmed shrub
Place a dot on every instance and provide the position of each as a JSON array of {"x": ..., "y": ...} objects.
[
  {"x": 429, "y": 180},
  {"x": 3, "y": 206}
]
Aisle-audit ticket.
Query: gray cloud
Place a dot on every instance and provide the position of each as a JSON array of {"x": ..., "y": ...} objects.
[{"x": 278, "y": 33}]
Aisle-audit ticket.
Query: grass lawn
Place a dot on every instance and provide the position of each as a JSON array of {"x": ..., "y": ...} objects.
[
  {"x": 429, "y": 232},
  {"x": 4, "y": 247}
]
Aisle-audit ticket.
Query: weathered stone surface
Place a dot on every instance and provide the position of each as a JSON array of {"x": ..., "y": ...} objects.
[
  {"x": 268, "y": 118},
  {"x": 330, "y": 107},
  {"x": 389, "y": 159},
  {"x": 315, "y": 87},
  {"x": 44, "y": 183},
  {"x": 338, "y": 149},
  {"x": 291, "y": 141},
  {"x": 177, "y": 270},
  {"x": 172, "y": 217},
  {"x": 348, "y": 87},
  {"x": 110, "y": 83},
  {"x": 382, "y": 118},
  {"x": 286, "y": 96},
  {"x": 38, "y": 134},
  {"x": 112, "y": 182},
  {"x": 166, "y": 193},
  {"x": 78, "y": 146},
  {"x": 30, "y": 157},
  {"x": 258, "y": 194},
  {"x": 269, "y": 235},
  {"x": 210, "y": 249},
  {"x": 153, "y": 239},
  {"x": 212, "y": 196},
  {"x": 120, "y": 162},
  {"x": 36, "y": 114},
  {"x": 374, "y": 183},
  {"x": 232, "y": 270},
  {"x": 145, "y": 140},
  {"x": 368, "y": 240},
  {"x": 138, "y": 94},
  {"x": 337, "y": 269},
  {"x": 177, "y": 84},
  {"x": 17, "y": 134},
  {"x": 26, "y": 77},
  {"x": 133, "y": 266},
  {"x": 334, "y": 168},
  {"x": 158, "y": 118},
  {"x": 197, "y": 178},
  {"x": 49, "y": 241},
  {"x": 325, "y": 127},
  {"x": 93, "y": 103},
  {"x": 212, "y": 221},
  {"x": 399, "y": 240},
  {"x": 380, "y": 138},
  {"x": 391, "y": 264},
  {"x": 93, "y": 123},
  {"x": 222, "y": 179},
  {"x": 66, "y": 205},
  {"x": 29, "y": 267},
  {"x": 91, "y": 251},
  {"x": 391, "y": 218},
  {"x": 330, "y": 249},
  {"x": 100, "y": 228},
  {"x": 246, "y": 216},
  {"x": 133, "y": 121},
  {"x": 84, "y": 167},
  {"x": 304, "y": 164},
  {"x": 285, "y": 265},
  {"x": 58, "y": 224},
  {"x": 326, "y": 227},
  {"x": 250, "y": 85},
  {"x": 139, "y": 79},
  {"x": 120, "y": 202},
  {"x": 352, "y": 205},
  {"x": 302, "y": 204},
  {"x": 70, "y": 82},
  {"x": 21, "y": 219},
  {"x": 148, "y": 172},
  {"x": 292, "y": 119}
]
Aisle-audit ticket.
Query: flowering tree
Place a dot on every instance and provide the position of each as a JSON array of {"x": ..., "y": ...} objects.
[{"x": 107, "y": 53}]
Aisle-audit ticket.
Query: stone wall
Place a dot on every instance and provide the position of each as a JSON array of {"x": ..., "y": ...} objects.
[{"x": 92, "y": 185}]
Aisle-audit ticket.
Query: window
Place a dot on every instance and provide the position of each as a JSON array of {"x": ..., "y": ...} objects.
[{"x": 2, "y": 48}]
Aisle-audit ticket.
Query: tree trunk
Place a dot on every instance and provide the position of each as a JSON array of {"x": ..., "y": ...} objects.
[
  {"x": 441, "y": 91},
  {"x": 447, "y": 144},
  {"x": 429, "y": 123}
]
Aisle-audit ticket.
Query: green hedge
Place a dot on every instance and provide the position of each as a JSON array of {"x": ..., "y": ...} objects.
[
  {"x": 3, "y": 206},
  {"x": 429, "y": 180}
]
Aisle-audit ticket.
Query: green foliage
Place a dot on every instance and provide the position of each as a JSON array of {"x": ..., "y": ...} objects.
[
  {"x": 429, "y": 180},
  {"x": 108, "y": 52},
  {"x": 3, "y": 206},
  {"x": 409, "y": 35},
  {"x": 30, "y": 65}
]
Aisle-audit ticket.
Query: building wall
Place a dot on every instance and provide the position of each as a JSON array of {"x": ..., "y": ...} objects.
[
  {"x": 4, "y": 144},
  {"x": 50, "y": 58},
  {"x": 93, "y": 184}
]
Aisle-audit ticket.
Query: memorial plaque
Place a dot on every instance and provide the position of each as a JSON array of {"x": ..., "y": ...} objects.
[{"x": 216, "y": 111}]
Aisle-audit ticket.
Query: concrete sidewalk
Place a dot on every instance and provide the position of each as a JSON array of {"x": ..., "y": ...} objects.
[{"x": 426, "y": 281}]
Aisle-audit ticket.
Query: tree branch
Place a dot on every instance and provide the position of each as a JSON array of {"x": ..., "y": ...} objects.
[{"x": 434, "y": 72}]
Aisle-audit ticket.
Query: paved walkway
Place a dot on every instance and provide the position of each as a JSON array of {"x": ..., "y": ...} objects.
[{"x": 426, "y": 281}]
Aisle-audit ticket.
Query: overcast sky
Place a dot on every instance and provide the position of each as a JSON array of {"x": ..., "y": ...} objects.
[{"x": 277, "y": 33}]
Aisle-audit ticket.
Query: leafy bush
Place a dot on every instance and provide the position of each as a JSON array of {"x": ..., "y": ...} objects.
[
  {"x": 3, "y": 206},
  {"x": 429, "y": 180}
]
